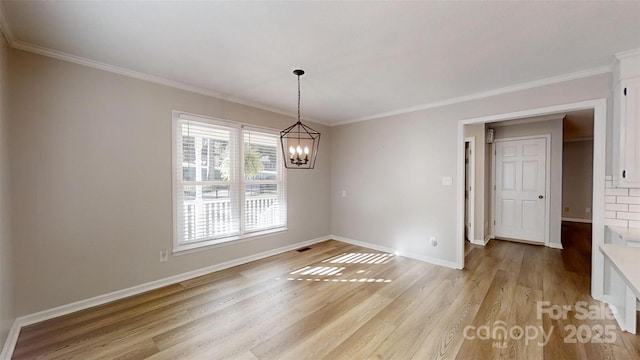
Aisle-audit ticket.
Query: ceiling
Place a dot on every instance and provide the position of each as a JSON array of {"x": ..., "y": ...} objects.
[{"x": 363, "y": 59}]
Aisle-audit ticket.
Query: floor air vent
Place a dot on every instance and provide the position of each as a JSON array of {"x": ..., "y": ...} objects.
[{"x": 303, "y": 249}]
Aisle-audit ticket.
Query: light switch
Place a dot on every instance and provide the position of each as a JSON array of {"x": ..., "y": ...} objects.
[
  {"x": 344, "y": 193},
  {"x": 447, "y": 181}
]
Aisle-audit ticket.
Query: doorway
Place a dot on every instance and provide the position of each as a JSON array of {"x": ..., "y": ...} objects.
[
  {"x": 599, "y": 150},
  {"x": 577, "y": 167}
]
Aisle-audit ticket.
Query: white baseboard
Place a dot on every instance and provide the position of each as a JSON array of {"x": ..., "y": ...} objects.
[
  {"x": 435, "y": 261},
  {"x": 12, "y": 339},
  {"x": 586, "y": 221},
  {"x": 481, "y": 242},
  {"x": 555, "y": 246},
  {"x": 9, "y": 346},
  {"x": 604, "y": 298}
]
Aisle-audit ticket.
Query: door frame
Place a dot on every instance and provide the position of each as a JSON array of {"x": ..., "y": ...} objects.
[
  {"x": 547, "y": 179},
  {"x": 472, "y": 183},
  {"x": 599, "y": 107}
]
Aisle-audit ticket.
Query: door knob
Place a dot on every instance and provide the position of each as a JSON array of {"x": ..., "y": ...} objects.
[{"x": 540, "y": 197}]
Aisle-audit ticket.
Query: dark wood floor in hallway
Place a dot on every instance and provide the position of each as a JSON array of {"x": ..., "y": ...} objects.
[{"x": 338, "y": 301}]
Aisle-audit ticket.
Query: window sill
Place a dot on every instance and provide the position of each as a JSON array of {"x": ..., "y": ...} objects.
[{"x": 216, "y": 243}]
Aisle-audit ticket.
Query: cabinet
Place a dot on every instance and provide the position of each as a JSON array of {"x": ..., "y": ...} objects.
[
  {"x": 626, "y": 120},
  {"x": 629, "y": 122}
]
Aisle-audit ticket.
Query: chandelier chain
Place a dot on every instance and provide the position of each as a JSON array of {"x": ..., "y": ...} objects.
[{"x": 298, "y": 98}]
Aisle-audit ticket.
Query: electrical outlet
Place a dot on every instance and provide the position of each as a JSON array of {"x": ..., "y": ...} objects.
[
  {"x": 587, "y": 210},
  {"x": 434, "y": 241},
  {"x": 566, "y": 209},
  {"x": 164, "y": 255}
]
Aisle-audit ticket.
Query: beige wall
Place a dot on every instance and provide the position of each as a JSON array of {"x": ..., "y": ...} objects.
[
  {"x": 477, "y": 132},
  {"x": 553, "y": 127},
  {"x": 395, "y": 165},
  {"x": 7, "y": 310},
  {"x": 577, "y": 179},
  {"x": 91, "y": 176}
]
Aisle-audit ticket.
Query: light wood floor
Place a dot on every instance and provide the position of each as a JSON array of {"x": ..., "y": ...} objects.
[{"x": 326, "y": 303}]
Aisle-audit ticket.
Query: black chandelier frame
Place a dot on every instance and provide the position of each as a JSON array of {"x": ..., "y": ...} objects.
[{"x": 299, "y": 142}]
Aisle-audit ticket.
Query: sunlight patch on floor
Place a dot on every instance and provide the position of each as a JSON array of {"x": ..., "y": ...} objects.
[
  {"x": 349, "y": 273},
  {"x": 360, "y": 258}
]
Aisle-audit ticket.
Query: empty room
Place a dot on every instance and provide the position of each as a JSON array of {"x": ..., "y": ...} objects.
[{"x": 319, "y": 180}]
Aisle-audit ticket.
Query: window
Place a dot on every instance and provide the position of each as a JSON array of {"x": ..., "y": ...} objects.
[{"x": 229, "y": 182}]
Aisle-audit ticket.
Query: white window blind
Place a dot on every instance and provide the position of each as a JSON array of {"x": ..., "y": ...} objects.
[
  {"x": 264, "y": 202},
  {"x": 228, "y": 182}
]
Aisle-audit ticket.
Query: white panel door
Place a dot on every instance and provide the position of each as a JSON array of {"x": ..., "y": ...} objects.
[{"x": 520, "y": 192}]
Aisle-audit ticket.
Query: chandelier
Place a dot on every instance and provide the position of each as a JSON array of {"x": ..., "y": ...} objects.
[{"x": 299, "y": 141}]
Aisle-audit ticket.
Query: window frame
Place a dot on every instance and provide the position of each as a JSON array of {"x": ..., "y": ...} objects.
[{"x": 179, "y": 245}]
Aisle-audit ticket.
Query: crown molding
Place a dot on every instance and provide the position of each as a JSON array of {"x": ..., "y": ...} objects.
[
  {"x": 17, "y": 44},
  {"x": 615, "y": 61},
  {"x": 527, "y": 120},
  {"x": 628, "y": 53},
  {"x": 485, "y": 94},
  {"x": 578, "y": 139},
  {"x": 4, "y": 28}
]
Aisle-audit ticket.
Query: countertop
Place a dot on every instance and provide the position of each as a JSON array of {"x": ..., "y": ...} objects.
[
  {"x": 626, "y": 233},
  {"x": 626, "y": 260}
]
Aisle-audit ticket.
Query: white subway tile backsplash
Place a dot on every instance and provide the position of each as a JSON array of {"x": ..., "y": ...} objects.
[
  {"x": 628, "y": 216},
  {"x": 616, "y": 192},
  {"x": 628, "y": 200},
  {"x": 616, "y": 222},
  {"x": 616, "y": 207},
  {"x": 622, "y": 205}
]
